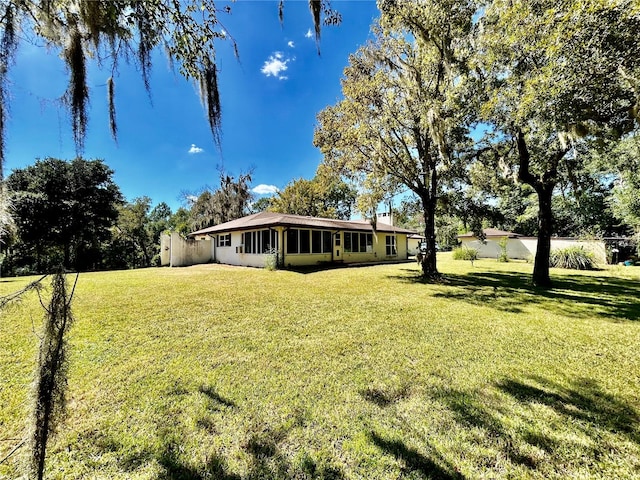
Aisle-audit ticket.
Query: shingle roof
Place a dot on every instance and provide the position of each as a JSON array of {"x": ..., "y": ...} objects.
[
  {"x": 491, "y": 232},
  {"x": 270, "y": 219}
]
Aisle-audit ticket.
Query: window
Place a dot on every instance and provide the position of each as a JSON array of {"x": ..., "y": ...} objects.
[
  {"x": 305, "y": 244},
  {"x": 326, "y": 242},
  {"x": 338, "y": 239},
  {"x": 391, "y": 245},
  {"x": 358, "y": 242},
  {"x": 292, "y": 240},
  {"x": 308, "y": 241},
  {"x": 316, "y": 241},
  {"x": 261, "y": 241},
  {"x": 224, "y": 240}
]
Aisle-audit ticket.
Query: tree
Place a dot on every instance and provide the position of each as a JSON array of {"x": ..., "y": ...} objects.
[
  {"x": 231, "y": 200},
  {"x": 109, "y": 32},
  {"x": 623, "y": 161},
  {"x": 325, "y": 196},
  {"x": 401, "y": 121},
  {"x": 553, "y": 75},
  {"x": 133, "y": 232},
  {"x": 63, "y": 211},
  {"x": 261, "y": 205}
]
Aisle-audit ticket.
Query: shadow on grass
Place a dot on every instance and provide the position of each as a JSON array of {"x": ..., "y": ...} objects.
[
  {"x": 578, "y": 296},
  {"x": 321, "y": 267},
  {"x": 433, "y": 466},
  {"x": 413, "y": 460},
  {"x": 539, "y": 424},
  {"x": 266, "y": 457},
  {"x": 583, "y": 402},
  {"x": 384, "y": 398}
]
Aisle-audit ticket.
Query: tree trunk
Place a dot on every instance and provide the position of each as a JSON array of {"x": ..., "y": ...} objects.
[
  {"x": 541, "y": 276},
  {"x": 429, "y": 268}
]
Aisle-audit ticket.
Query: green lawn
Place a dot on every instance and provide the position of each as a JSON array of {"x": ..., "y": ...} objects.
[{"x": 227, "y": 373}]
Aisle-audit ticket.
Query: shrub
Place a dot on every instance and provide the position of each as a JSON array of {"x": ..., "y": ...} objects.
[
  {"x": 465, "y": 253},
  {"x": 503, "y": 256},
  {"x": 576, "y": 258},
  {"x": 271, "y": 260}
]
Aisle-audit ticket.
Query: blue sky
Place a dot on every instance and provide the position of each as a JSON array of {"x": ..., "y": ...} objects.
[{"x": 270, "y": 98}]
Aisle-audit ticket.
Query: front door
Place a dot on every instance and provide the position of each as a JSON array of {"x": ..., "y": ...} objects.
[{"x": 337, "y": 249}]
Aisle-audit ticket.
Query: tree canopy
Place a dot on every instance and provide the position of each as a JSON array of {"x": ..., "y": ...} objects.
[
  {"x": 231, "y": 200},
  {"x": 63, "y": 211},
  {"x": 401, "y": 122},
  {"x": 552, "y": 76},
  {"x": 325, "y": 195}
]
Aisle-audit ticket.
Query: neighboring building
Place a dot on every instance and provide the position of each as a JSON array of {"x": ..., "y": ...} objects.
[
  {"x": 413, "y": 242},
  {"x": 298, "y": 241},
  {"x": 519, "y": 247}
]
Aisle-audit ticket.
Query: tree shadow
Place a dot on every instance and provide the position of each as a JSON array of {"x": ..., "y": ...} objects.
[
  {"x": 413, "y": 460},
  {"x": 538, "y": 424},
  {"x": 215, "y": 397},
  {"x": 434, "y": 466},
  {"x": 263, "y": 445},
  {"x": 583, "y": 402},
  {"x": 323, "y": 266},
  {"x": 384, "y": 398},
  {"x": 577, "y": 296}
]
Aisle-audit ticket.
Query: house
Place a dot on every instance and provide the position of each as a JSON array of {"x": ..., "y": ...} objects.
[
  {"x": 521, "y": 247},
  {"x": 413, "y": 243},
  {"x": 297, "y": 240}
]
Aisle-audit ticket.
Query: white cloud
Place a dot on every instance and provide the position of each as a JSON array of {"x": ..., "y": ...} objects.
[
  {"x": 195, "y": 149},
  {"x": 308, "y": 34},
  {"x": 275, "y": 66},
  {"x": 263, "y": 189},
  {"x": 291, "y": 44}
]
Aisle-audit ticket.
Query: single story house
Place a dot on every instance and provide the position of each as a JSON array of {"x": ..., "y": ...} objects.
[
  {"x": 296, "y": 239},
  {"x": 521, "y": 247},
  {"x": 413, "y": 243}
]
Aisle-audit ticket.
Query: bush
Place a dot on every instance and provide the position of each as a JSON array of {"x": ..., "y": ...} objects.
[
  {"x": 503, "y": 256},
  {"x": 576, "y": 258},
  {"x": 465, "y": 253},
  {"x": 271, "y": 260}
]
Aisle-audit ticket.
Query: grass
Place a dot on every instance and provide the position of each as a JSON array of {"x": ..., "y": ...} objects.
[{"x": 228, "y": 373}]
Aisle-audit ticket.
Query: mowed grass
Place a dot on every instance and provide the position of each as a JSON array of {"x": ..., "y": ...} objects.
[{"x": 227, "y": 373}]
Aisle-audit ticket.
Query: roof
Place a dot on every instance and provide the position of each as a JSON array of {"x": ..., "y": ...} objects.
[
  {"x": 270, "y": 219},
  {"x": 491, "y": 232}
]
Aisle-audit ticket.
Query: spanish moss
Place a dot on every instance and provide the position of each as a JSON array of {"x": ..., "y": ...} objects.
[
  {"x": 51, "y": 376},
  {"x": 210, "y": 97},
  {"x": 145, "y": 42},
  {"x": 8, "y": 45},
  {"x": 77, "y": 96},
  {"x": 316, "y": 8},
  {"x": 112, "y": 108}
]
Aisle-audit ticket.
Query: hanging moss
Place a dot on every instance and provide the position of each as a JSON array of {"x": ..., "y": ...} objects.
[
  {"x": 77, "y": 96},
  {"x": 8, "y": 44},
  {"x": 112, "y": 108},
  {"x": 210, "y": 97}
]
